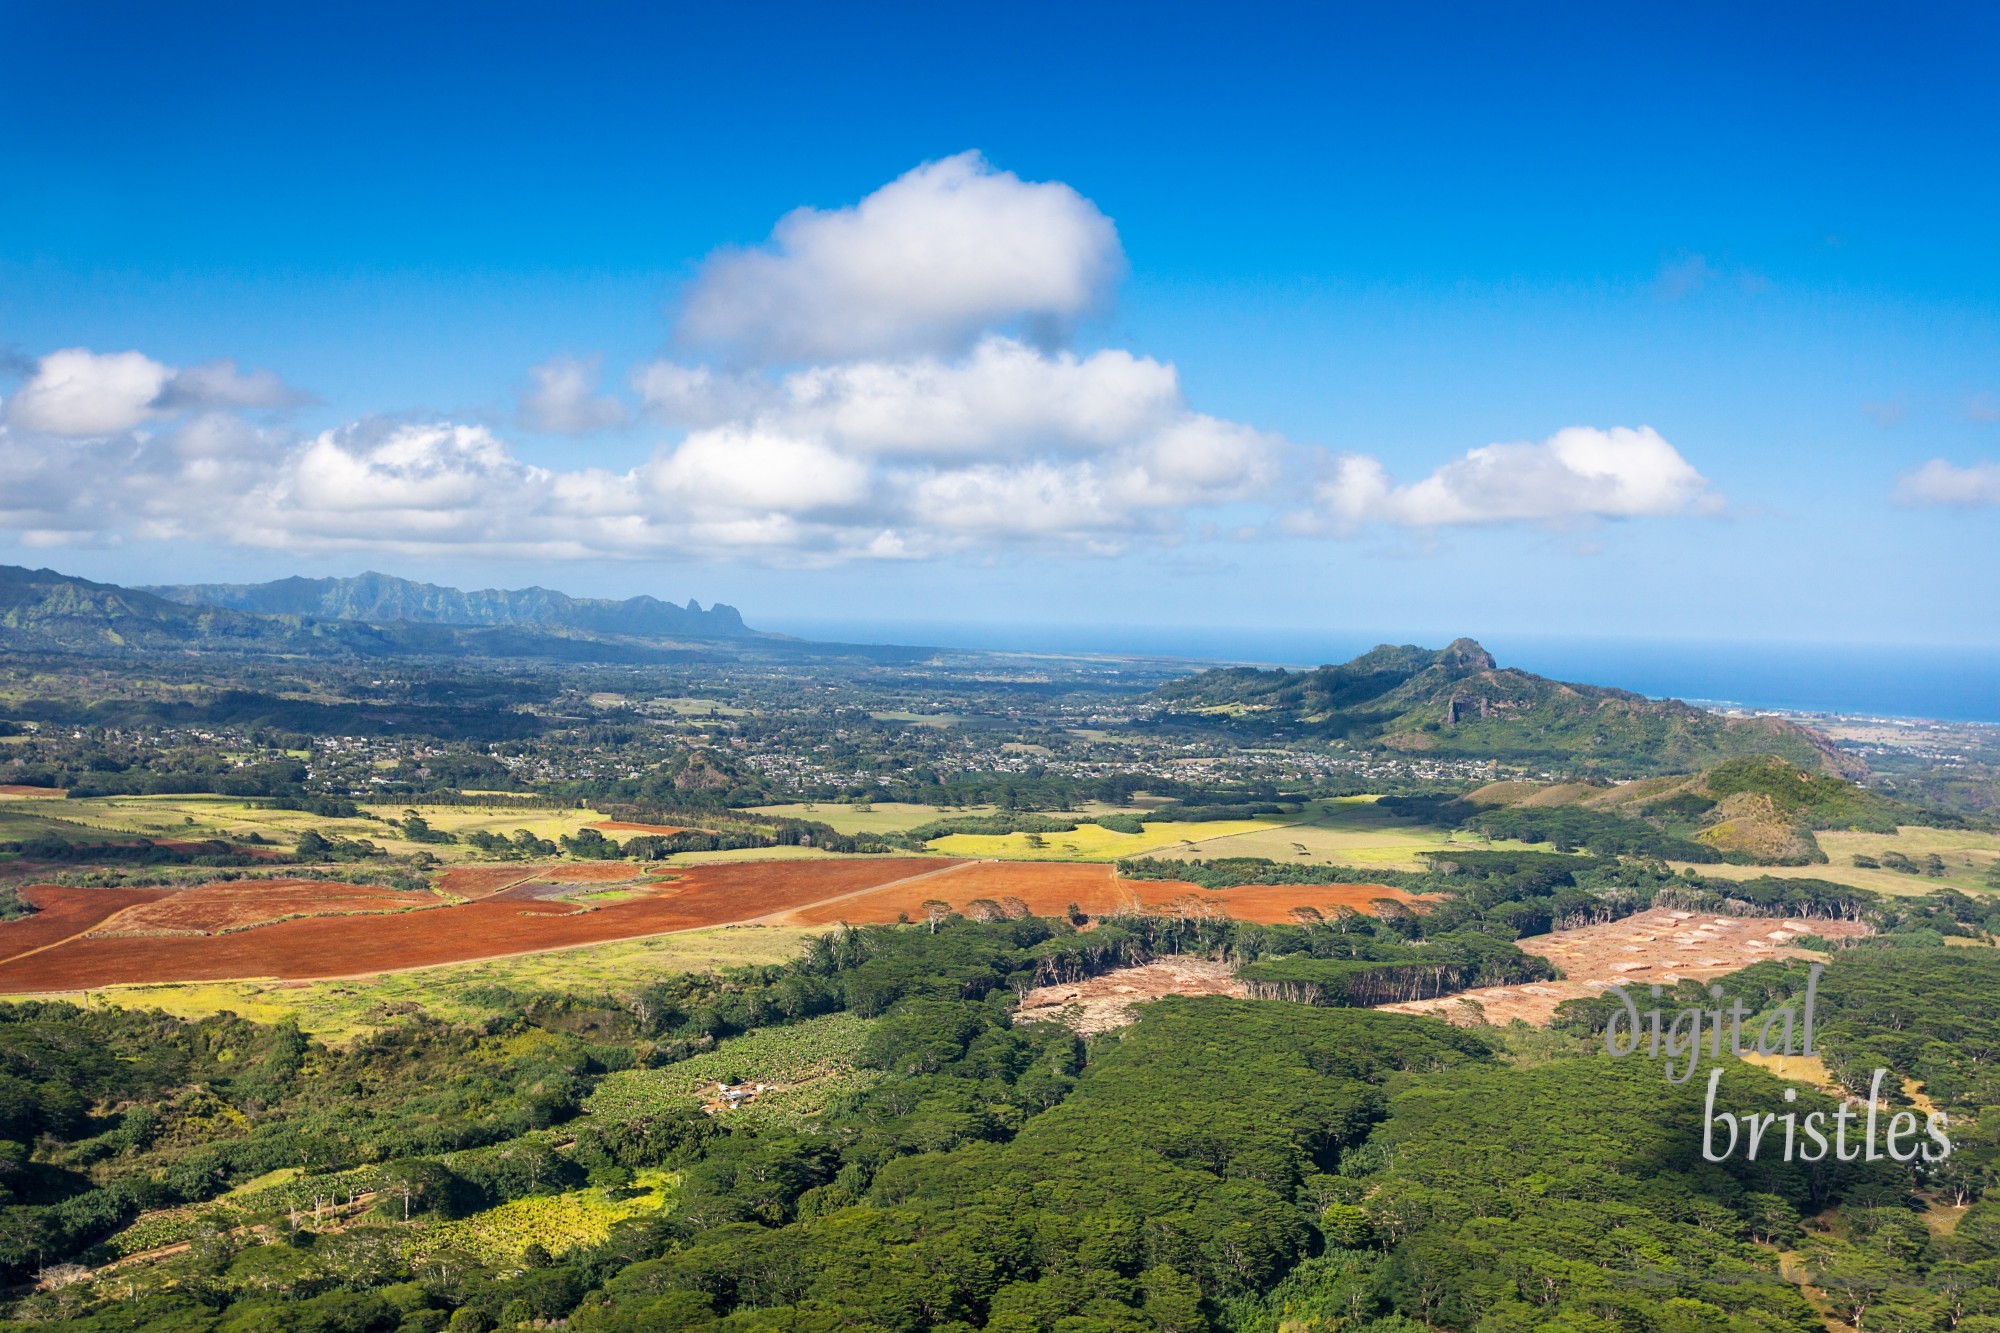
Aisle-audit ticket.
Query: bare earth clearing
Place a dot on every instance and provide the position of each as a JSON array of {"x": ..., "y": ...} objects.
[
  {"x": 1102, "y": 1003},
  {"x": 1662, "y": 945}
]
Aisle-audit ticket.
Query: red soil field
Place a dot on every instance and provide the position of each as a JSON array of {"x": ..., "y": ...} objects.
[
  {"x": 620, "y": 826},
  {"x": 351, "y": 945},
  {"x": 47, "y": 793},
  {"x": 485, "y": 881},
  {"x": 65, "y": 912},
  {"x": 1049, "y": 887},
  {"x": 238, "y": 905}
]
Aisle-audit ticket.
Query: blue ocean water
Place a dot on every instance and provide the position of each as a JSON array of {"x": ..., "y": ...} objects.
[{"x": 1955, "y": 684}]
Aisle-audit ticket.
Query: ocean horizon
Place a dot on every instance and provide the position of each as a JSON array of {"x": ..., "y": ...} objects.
[{"x": 1937, "y": 682}]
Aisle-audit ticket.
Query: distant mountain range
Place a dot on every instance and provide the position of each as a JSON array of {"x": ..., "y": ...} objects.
[
  {"x": 376, "y": 615},
  {"x": 379, "y": 599},
  {"x": 1458, "y": 702}
]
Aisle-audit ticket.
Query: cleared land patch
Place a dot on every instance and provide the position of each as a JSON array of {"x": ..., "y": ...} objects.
[
  {"x": 1662, "y": 945},
  {"x": 1100, "y": 1003}
]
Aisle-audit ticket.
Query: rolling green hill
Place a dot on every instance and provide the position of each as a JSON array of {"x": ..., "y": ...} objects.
[
  {"x": 1458, "y": 702},
  {"x": 1760, "y": 808}
]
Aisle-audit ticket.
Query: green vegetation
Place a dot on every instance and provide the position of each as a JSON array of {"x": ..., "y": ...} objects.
[
  {"x": 803, "y": 1066},
  {"x": 1458, "y": 701}
]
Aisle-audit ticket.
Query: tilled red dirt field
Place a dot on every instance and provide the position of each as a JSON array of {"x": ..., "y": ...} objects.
[
  {"x": 485, "y": 881},
  {"x": 66, "y": 912},
  {"x": 344, "y": 946},
  {"x": 241, "y": 904},
  {"x": 620, "y": 826},
  {"x": 1049, "y": 887}
]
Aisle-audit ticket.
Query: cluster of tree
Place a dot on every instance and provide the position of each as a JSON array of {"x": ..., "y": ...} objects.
[
  {"x": 413, "y": 827},
  {"x": 316, "y": 846},
  {"x": 143, "y": 852},
  {"x": 1389, "y": 974},
  {"x": 1932, "y": 864},
  {"x": 523, "y": 846},
  {"x": 130, "y": 1111}
]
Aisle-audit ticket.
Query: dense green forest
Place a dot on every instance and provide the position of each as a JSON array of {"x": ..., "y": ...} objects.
[{"x": 1223, "y": 1166}]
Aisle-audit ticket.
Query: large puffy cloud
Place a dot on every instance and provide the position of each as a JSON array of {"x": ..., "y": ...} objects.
[
  {"x": 76, "y": 392},
  {"x": 928, "y": 262},
  {"x": 1938, "y": 483},
  {"x": 889, "y": 389},
  {"x": 1577, "y": 473}
]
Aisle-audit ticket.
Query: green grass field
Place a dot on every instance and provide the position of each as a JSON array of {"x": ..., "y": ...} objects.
[
  {"x": 1968, "y": 857},
  {"x": 1089, "y": 842},
  {"x": 192, "y": 818},
  {"x": 880, "y": 817},
  {"x": 339, "y": 1011},
  {"x": 556, "y": 1222},
  {"x": 1349, "y": 831}
]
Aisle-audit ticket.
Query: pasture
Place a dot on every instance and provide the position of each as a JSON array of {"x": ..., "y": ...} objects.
[
  {"x": 1347, "y": 831},
  {"x": 1090, "y": 842},
  {"x": 194, "y": 818},
  {"x": 878, "y": 817}
]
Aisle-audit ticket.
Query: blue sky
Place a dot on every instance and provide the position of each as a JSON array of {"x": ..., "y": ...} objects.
[{"x": 1234, "y": 284}]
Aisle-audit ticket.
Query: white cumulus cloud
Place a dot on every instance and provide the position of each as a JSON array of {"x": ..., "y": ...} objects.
[
  {"x": 928, "y": 262},
  {"x": 77, "y": 392},
  {"x": 1577, "y": 473},
  {"x": 1938, "y": 483}
]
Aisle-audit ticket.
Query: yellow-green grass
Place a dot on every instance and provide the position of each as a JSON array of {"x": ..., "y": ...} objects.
[
  {"x": 1968, "y": 857},
  {"x": 1350, "y": 831},
  {"x": 880, "y": 817},
  {"x": 339, "y": 1011},
  {"x": 33, "y": 819},
  {"x": 901, "y": 816},
  {"x": 1091, "y": 842},
  {"x": 196, "y": 817},
  {"x": 556, "y": 1222}
]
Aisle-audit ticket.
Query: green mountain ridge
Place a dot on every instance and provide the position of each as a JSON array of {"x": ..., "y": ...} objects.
[
  {"x": 1458, "y": 702},
  {"x": 43, "y": 610},
  {"x": 383, "y": 598}
]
